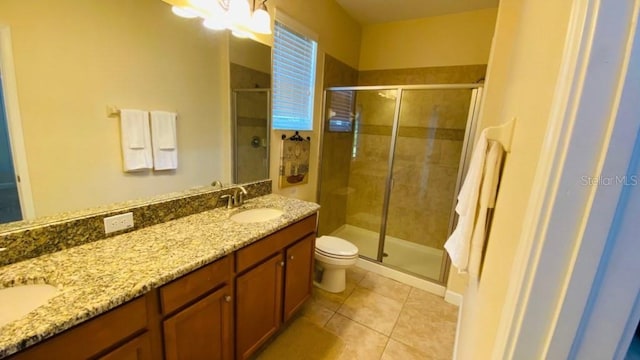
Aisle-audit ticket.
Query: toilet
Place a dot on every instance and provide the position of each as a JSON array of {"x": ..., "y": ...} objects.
[{"x": 333, "y": 256}]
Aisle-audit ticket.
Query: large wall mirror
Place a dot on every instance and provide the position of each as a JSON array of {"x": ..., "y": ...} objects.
[
  {"x": 250, "y": 77},
  {"x": 74, "y": 58}
]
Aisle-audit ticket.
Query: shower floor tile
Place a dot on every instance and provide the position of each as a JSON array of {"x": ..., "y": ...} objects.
[
  {"x": 379, "y": 318},
  {"x": 418, "y": 259}
]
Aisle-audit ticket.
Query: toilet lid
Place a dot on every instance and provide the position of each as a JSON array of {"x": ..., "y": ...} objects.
[{"x": 333, "y": 246}]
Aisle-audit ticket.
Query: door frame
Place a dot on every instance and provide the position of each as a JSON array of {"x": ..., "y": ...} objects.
[
  {"x": 576, "y": 239},
  {"x": 14, "y": 123}
]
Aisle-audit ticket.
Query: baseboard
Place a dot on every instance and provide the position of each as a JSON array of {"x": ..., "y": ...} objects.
[
  {"x": 453, "y": 298},
  {"x": 401, "y": 277}
]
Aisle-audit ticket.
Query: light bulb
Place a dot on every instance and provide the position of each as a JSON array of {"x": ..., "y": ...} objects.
[
  {"x": 239, "y": 12},
  {"x": 261, "y": 21},
  {"x": 184, "y": 12}
]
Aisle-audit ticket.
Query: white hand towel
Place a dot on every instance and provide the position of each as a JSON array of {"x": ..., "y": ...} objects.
[
  {"x": 486, "y": 201},
  {"x": 459, "y": 243},
  {"x": 165, "y": 150},
  {"x": 135, "y": 140}
]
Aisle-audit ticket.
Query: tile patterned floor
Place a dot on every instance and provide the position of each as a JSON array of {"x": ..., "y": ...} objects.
[{"x": 380, "y": 318}]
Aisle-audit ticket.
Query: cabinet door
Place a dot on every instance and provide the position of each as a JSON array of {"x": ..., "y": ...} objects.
[
  {"x": 298, "y": 275},
  {"x": 258, "y": 305},
  {"x": 202, "y": 330},
  {"x": 137, "y": 349}
]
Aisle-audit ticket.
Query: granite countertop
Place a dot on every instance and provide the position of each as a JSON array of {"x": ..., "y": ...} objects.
[{"x": 101, "y": 275}]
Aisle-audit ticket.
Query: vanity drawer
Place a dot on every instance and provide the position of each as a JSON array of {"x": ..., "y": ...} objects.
[
  {"x": 183, "y": 290},
  {"x": 262, "y": 249}
]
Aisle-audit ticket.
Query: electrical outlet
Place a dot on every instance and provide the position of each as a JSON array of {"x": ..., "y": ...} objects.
[{"x": 118, "y": 222}]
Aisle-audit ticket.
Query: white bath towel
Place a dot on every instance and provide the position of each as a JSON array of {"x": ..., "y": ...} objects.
[
  {"x": 135, "y": 138},
  {"x": 459, "y": 243},
  {"x": 165, "y": 146},
  {"x": 466, "y": 243},
  {"x": 488, "y": 192}
]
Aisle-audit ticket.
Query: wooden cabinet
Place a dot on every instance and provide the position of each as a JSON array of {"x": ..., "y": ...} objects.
[
  {"x": 198, "y": 313},
  {"x": 192, "y": 317},
  {"x": 258, "y": 305},
  {"x": 275, "y": 281},
  {"x": 202, "y": 330},
  {"x": 298, "y": 275}
]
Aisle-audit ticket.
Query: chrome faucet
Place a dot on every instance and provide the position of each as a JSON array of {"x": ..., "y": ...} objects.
[
  {"x": 237, "y": 198},
  {"x": 238, "y": 195}
]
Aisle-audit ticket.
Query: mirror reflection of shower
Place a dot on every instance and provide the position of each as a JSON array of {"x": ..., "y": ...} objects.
[
  {"x": 390, "y": 167},
  {"x": 250, "y": 81},
  {"x": 251, "y": 134}
]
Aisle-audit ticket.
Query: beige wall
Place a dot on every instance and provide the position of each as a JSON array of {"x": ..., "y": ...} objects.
[
  {"x": 521, "y": 79},
  {"x": 457, "y": 39},
  {"x": 248, "y": 53},
  {"x": 75, "y": 58}
]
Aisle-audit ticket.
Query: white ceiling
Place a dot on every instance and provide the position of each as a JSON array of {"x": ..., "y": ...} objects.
[{"x": 380, "y": 11}]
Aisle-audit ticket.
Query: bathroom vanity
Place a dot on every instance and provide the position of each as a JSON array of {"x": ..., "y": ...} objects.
[{"x": 202, "y": 287}]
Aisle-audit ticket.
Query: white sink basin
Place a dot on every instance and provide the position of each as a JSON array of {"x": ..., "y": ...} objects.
[
  {"x": 256, "y": 215},
  {"x": 18, "y": 301}
]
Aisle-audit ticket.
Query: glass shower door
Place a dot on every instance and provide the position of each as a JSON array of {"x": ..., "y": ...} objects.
[
  {"x": 357, "y": 140},
  {"x": 428, "y": 149}
]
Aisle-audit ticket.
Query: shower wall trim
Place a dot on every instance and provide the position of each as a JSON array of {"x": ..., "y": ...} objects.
[{"x": 389, "y": 185}]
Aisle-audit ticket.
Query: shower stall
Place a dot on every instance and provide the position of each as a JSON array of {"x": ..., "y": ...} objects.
[
  {"x": 392, "y": 162},
  {"x": 251, "y": 125}
]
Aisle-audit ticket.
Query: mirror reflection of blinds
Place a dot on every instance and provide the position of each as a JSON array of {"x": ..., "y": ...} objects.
[
  {"x": 341, "y": 113},
  {"x": 294, "y": 68}
]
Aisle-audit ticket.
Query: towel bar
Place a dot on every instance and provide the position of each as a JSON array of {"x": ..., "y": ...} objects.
[
  {"x": 502, "y": 134},
  {"x": 112, "y": 110}
]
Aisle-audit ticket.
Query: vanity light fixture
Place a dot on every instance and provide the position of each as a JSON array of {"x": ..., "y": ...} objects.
[{"x": 235, "y": 15}]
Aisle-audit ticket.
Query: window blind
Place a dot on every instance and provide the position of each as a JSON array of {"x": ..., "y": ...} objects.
[
  {"x": 294, "y": 70},
  {"x": 341, "y": 112}
]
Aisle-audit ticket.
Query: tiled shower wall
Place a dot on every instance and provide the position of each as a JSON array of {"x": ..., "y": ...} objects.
[
  {"x": 336, "y": 156},
  {"x": 252, "y": 111},
  {"x": 428, "y": 149}
]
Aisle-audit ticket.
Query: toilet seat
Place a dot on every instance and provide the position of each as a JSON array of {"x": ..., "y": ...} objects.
[{"x": 334, "y": 247}]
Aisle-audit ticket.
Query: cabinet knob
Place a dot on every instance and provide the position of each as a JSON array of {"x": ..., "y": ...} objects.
[
  {"x": 282, "y": 263},
  {"x": 227, "y": 298},
  {"x": 291, "y": 257}
]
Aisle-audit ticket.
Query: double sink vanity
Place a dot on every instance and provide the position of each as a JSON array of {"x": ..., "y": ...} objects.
[{"x": 213, "y": 285}]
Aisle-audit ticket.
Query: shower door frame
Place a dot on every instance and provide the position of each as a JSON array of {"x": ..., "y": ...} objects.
[
  {"x": 234, "y": 127},
  {"x": 470, "y": 131}
]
